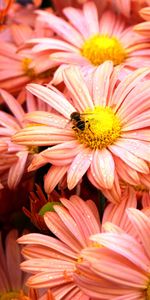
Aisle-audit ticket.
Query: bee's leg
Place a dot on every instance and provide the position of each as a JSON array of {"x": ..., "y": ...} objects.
[{"x": 88, "y": 126}]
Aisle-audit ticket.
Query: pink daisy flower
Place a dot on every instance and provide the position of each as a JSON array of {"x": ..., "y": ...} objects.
[
  {"x": 12, "y": 279},
  {"x": 91, "y": 41},
  {"x": 14, "y": 159},
  {"x": 59, "y": 5},
  {"x": 130, "y": 8},
  {"x": 21, "y": 14},
  {"x": 121, "y": 259},
  {"x": 140, "y": 182},
  {"x": 17, "y": 14},
  {"x": 114, "y": 123},
  {"x": 4, "y": 8},
  {"x": 25, "y": 65},
  {"x": 117, "y": 213},
  {"x": 144, "y": 27},
  {"x": 52, "y": 261}
]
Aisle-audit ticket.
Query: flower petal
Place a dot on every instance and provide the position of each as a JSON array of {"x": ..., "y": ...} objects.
[
  {"x": 126, "y": 246},
  {"x": 13, "y": 105},
  {"x": 57, "y": 226},
  {"x": 116, "y": 213},
  {"x": 126, "y": 173},
  {"x": 50, "y": 43},
  {"x": 43, "y": 280},
  {"x": 73, "y": 15},
  {"x": 129, "y": 109},
  {"x": 101, "y": 82},
  {"x": 79, "y": 167},
  {"x": 13, "y": 257},
  {"x": 47, "y": 264},
  {"x": 91, "y": 17},
  {"x": 126, "y": 85},
  {"x": 138, "y": 148},
  {"x": 42, "y": 136},
  {"x": 103, "y": 167},
  {"x": 48, "y": 242},
  {"x": 82, "y": 214},
  {"x": 17, "y": 169},
  {"x": 46, "y": 118},
  {"x": 63, "y": 29},
  {"x": 77, "y": 87},
  {"x": 133, "y": 161},
  {"x": 51, "y": 97},
  {"x": 62, "y": 153},
  {"x": 70, "y": 223},
  {"x": 53, "y": 177},
  {"x": 141, "y": 224}
]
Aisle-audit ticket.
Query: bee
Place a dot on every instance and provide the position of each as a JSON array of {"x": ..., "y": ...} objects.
[
  {"x": 78, "y": 121},
  {"x": 75, "y": 118}
]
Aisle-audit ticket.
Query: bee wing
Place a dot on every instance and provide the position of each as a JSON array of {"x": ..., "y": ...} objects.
[{"x": 67, "y": 124}]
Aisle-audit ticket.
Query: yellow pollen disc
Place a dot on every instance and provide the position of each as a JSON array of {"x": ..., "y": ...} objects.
[
  {"x": 100, "y": 48},
  {"x": 33, "y": 149},
  {"x": 102, "y": 128},
  {"x": 80, "y": 259},
  {"x": 26, "y": 67},
  {"x": 148, "y": 292},
  {"x": 95, "y": 245},
  {"x": 140, "y": 188},
  {"x": 13, "y": 296},
  {"x": 45, "y": 74}
]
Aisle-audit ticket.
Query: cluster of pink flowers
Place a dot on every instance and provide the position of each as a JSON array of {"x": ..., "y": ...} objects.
[{"x": 75, "y": 150}]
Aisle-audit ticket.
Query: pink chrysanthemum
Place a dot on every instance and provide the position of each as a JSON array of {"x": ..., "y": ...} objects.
[
  {"x": 140, "y": 182},
  {"x": 88, "y": 42},
  {"x": 14, "y": 159},
  {"x": 20, "y": 66},
  {"x": 144, "y": 27},
  {"x": 12, "y": 279},
  {"x": 130, "y": 8},
  {"x": 116, "y": 128},
  {"x": 59, "y": 4},
  {"x": 54, "y": 261},
  {"x": 122, "y": 260},
  {"x": 12, "y": 12},
  {"x": 4, "y": 8}
]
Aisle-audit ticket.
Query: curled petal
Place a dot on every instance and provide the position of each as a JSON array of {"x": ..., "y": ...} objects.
[
  {"x": 53, "y": 177},
  {"x": 17, "y": 169}
]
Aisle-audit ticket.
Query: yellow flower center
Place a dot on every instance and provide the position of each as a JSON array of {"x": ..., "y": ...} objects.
[
  {"x": 26, "y": 67},
  {"x": 30, "y": 72},
  {"x": 13, "y": 296},
  {"x": 140, "y": 188},
  {"x": 101, "y": 128},
  {"x": 100, "y": 48},
  {"x": 148, "y": 292},
  {"x": 33, "y": 149}
]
